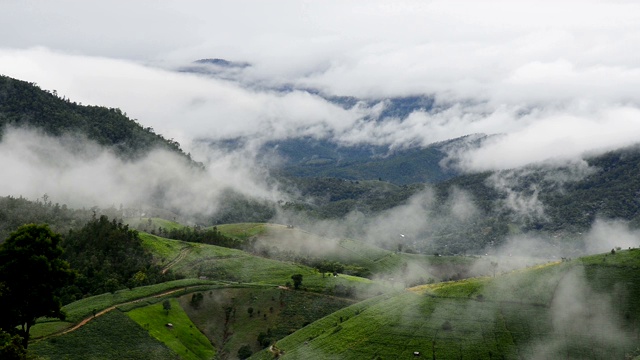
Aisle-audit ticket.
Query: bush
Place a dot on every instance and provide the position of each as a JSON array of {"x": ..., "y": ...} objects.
[{"x": 245, "y": 351}]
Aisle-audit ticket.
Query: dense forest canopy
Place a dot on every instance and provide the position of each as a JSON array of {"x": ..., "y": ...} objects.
[{"x": 24, "y": 104}]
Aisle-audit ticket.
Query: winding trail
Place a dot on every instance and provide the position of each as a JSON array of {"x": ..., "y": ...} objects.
[
  {"x": 183, "y": 253},
  {"x": 111, "y": 308}
]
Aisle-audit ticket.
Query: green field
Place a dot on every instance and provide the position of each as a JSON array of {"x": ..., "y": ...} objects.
[
  {"x": 147, "y": 224},
  {"x": 112, "y": 336},
  {"x": 558, "y": 310},
  {"x": 183, "y": 337},
  {"x": 84, "y": 308},
  {"x": 242, "y": 231},
  {"x": 222, "y": 314},
  {"x": 584, "y": 308},
  {"x": 163, "y": 250},
  {"x": 218, "y": 263},
  {"x": 280, "y": 241}
]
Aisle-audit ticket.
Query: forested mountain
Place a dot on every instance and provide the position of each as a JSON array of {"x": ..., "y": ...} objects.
[
  {"x": 326, "y": 180},
  {"x": 308, "y": 157},
  {"x": 25, "y": 104}
]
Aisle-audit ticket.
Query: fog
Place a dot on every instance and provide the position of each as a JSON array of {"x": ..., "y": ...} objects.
[
  {"x": 75, "y": 171},
  {"x": 555, "y": 79},
  {"x": 535, "y": 87},
  {"x": 581, "y": 315},
  {"x": 547, "y": 83}
]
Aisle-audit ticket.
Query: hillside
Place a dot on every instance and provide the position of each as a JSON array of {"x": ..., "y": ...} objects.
[
  {"x": 308, "y": 157},
  {"x": 24, "y": 104},
  {"x": 350, "y": 256},
  {"x": 216, "y": 278},
  {"x": 585, "y": 308}
]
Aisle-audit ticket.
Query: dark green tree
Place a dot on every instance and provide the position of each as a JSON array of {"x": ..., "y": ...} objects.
[
  {"x": 108, "y": 256},
  {"x": 31, "y": 274},
  {"x": 166, "y": 305},
  {"x": 297, "y": 280},
  {"x": 11, "y": 347},
  {"x": 244, "y": 352}
]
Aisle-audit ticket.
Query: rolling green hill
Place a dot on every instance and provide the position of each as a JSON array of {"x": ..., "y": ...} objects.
[
  {"x": 586, "y": 308},
  {"x": 352, "y": 256}
]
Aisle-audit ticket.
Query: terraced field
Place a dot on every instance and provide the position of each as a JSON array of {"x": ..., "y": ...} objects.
[{"x": 574, "y": 310}]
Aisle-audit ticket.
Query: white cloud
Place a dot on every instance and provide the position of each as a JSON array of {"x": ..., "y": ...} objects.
[{"x": 555, "y": 78}]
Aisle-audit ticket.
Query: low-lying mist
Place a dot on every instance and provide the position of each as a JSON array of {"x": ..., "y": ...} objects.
[{"x": 75, "y": 171}]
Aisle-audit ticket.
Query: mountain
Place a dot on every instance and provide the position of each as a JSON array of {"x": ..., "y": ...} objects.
[
  {"x": 24, "y": 104},
  {"x": 309, "y": 157}
]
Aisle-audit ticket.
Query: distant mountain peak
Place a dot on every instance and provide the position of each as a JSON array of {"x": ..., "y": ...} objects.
[{"x": 222, "y": 63}]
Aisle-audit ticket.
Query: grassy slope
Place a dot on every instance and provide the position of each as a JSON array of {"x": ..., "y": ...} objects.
[
  {"x": 587, "y": 308},
  {"x": 218, "y": 263},
  {"x": 112, "y": 336},
  {"x": 81, "y": 309},
  {"x": 381, "y": 263},
  {"x": 276, "y": 312},
  {"x": 163, "y": 250},
  {"x": 183, "y": 338}
]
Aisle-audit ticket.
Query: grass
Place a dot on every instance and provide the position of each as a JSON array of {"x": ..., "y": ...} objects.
[
  {"x": 80, "y": 309},
  {"x": 242, "y": 231},
  {"x": 578, "y": 309},
  {"x": 163, "y": 250},
  {"x": 183, "y": 337},
  {"x": 218, "y": 263},
  {"x": 380, "y": 262},
  {"x": 46, "y": 328},
  {"x": 112, "y": 336},
  {"x": 277, "y": 312},
  {"x": 155, "y": 223}
]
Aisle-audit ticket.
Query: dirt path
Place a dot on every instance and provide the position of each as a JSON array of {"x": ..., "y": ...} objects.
[
  {"x": 86, "y": 320},
  {"x": 183, "y": 253}
]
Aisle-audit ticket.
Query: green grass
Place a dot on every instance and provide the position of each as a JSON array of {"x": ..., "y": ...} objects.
[
  {"x": 183, "y": 337},
  {"x": 626, "y": 258},
  {"x": 46, "y": 328},
  {"x": 135, "y": 223},
  {"x": 112, "y": 336},
  {"x": 556, "y": 310},
  {"x": 163, "y": 250},
  {"x": 242, "y": 231},
  {"x": 380, "y": 262},
  {"x": 277, "y": 312},
  {"x": 218, "y": 263},
  {"x": 80, "y": 309}
]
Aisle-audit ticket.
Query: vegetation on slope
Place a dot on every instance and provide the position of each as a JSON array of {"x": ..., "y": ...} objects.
[
  {"x": 108, "y": 256},
  {"x": 572, "y": 309},
  {"x": 254, "y": 317},
  {"x": 181, "y": 336},
  {"x": 25, "y": 104},
  {"x": 111, "y": 336}
]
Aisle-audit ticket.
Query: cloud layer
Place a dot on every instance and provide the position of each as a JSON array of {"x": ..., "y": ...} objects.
[{"x": 555, "y": 80}]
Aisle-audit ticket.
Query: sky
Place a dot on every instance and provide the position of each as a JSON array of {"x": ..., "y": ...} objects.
[{"x": 555, "y": 79}]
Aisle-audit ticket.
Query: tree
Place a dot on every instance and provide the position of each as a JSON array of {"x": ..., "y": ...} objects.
[
  {"x": 109, "y": 256},
  {"x": 196, "y": 300},
  {"x": 11, "y": 347},
  {"x": 245, "y": 351},
  {"x": 297, "y": 280},
  {"x": 31, "y": 274},
  {"x": 166, "y": 305},
  {"x": 250, "y": 311}
]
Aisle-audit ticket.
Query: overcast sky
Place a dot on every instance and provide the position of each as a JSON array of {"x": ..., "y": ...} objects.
[{"x": 556, "y": 78}]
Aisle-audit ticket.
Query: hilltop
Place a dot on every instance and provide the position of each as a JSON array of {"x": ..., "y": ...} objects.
[{"x": 24, "y": 104}]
